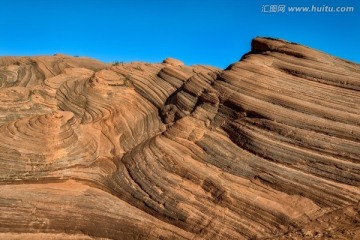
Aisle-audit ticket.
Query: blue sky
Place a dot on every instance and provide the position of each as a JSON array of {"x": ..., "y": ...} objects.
[{"x": 212, "y": 32}]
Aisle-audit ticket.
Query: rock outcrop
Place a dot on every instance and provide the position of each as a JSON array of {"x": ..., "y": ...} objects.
[{"x": 268, "y": 148}]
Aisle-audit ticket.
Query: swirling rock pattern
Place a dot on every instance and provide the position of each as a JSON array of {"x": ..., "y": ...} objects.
[{"x": 268, "y": 148}]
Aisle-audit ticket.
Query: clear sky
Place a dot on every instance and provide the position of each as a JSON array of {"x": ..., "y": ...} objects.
[{"x": 213, "y": 32}]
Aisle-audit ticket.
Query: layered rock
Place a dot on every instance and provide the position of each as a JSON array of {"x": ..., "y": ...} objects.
[{"x": 260, "y": 150}]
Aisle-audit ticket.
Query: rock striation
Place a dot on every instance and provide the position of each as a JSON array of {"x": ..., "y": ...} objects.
[{"x": 268, "y": 148}]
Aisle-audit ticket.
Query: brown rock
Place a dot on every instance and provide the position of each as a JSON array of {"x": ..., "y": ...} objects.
[
  {"x": 173, "y": 61},
  {"x": 267, "y": 149}
]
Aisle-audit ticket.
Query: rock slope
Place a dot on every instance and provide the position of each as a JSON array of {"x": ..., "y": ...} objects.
[{"x": 268, "y": 148}]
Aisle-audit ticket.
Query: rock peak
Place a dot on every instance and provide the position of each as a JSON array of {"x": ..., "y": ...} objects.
[{"x": 173, "y": 62}]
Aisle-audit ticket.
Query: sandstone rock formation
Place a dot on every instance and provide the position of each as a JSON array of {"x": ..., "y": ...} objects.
[{"x": 268, "y": 148}]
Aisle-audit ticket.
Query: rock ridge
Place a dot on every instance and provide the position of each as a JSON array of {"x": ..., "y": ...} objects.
[{"x": 268, "y": 148}]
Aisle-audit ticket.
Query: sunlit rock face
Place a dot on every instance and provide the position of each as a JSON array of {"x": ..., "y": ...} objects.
[{"x": 268, "y": 148}]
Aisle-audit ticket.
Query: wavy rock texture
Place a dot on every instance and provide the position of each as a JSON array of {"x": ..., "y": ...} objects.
[{"x": 268, "y": 148}]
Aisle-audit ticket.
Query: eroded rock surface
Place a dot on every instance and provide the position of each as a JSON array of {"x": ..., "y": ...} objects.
[{"x": 268, "y": 148}]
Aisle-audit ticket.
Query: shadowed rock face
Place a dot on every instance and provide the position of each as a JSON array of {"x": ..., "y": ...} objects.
[{"x": 267, "y": 149}]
